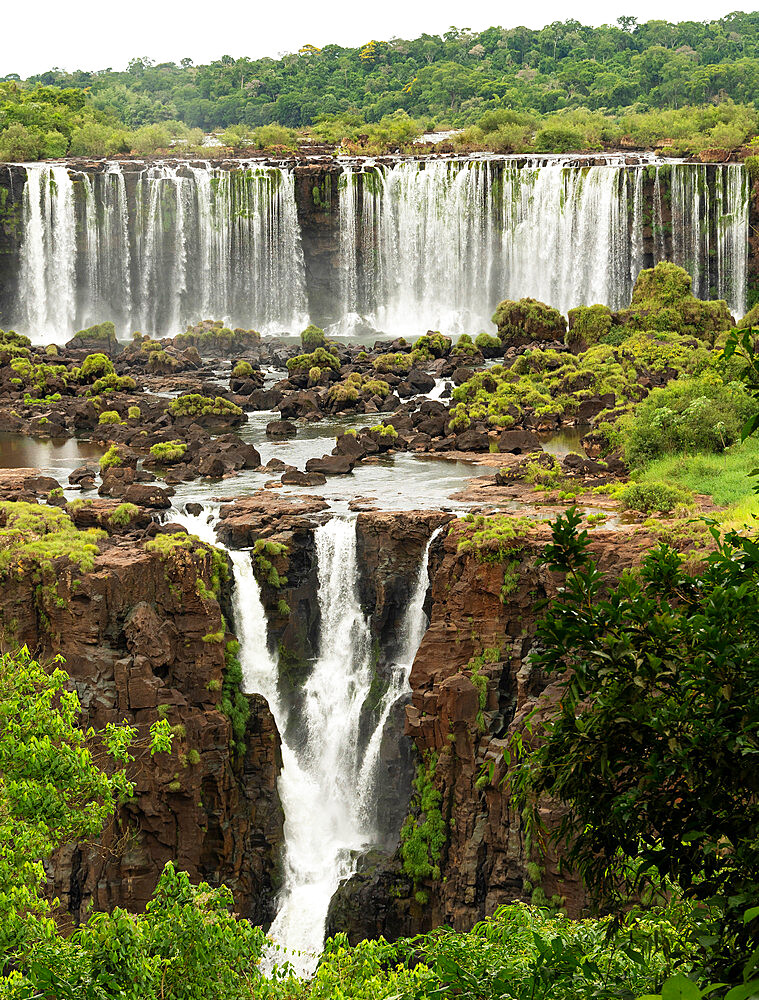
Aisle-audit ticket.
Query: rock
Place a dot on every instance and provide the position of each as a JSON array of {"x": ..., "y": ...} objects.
[
  {"x": 330, "y": 465},
  {"x": 295, "y": 477},
  {"x": 518, "y": 442},
  {"x": 146, "y": 495},
  {"x": 84, "y": 474},
  {"x": 281, "y": 429},
  {"x": 472, "y": 439}
]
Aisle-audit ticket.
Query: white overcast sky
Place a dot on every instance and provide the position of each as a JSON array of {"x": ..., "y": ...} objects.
[{"x": 49, "y": 33}]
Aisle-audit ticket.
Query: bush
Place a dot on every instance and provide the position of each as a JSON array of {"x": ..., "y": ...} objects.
[
  {"x": 109, "y": 417},
  {"x": 112, "y": 458},
  {"x": 243, "y": 369},
  {"x": 320, "y": 358},
  {"x": 653, "y": 497},
  {"x": 195, "y": 405},
  {"x": 96, "y": 366},
  {"x": 168, "y": 452},
  {"x": 688, "y": 415},
  {"x": 312, "y": 337},
  {"x": 588, "y": 325}
]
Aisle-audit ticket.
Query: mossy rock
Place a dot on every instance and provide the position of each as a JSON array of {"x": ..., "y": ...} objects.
[
  {"x": 662, "y": 300},
  {"x": 528, "y": 320},
  {"x": 100, "y": 337},
  {"x": 588, "y": 325},
  {"x": 751, "y": 319}
]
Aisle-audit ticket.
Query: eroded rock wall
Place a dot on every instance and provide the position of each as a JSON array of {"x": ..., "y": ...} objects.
[{"x": 140, "y": 642}]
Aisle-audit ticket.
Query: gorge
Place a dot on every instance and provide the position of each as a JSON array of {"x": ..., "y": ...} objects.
[{"x": 319, "y": 556}]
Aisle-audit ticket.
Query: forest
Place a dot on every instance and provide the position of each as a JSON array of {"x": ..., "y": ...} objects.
[{"x": 690, "y": 86}]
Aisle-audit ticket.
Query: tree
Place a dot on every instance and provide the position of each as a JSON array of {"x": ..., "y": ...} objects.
[
  {"x": 53, "y": 786},
  {"x": 654, "y": 743}
]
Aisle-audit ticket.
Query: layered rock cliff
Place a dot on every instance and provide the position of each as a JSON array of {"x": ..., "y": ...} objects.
[{"x": 143, "y": 637}]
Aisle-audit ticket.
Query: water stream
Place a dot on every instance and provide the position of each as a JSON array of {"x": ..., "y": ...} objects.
[{"x": 328, "y": 781}]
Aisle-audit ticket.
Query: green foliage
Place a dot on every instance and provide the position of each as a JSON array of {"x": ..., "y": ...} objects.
[
  {"x": 320, "y": 358},
  {"x": 662, "y": 300},
  {"x": 134, "y": 413},
  {"x": 423, "y": 834},
  {"x": 95, "y": 365},
  {"x": 526, "y": 320},
  {"x": 588, "y": 325},
  {"x": 492, "y": 538},
  {"x": 53, "y": 791},
  {"x": 195, "y": 405},
  {"x": 111, "y": 458},
  {"x": 652, "y": 748},
  {"x": 385, "y": 431},
  {"x": 312, "y": 337},
  {"x": 33, "y": 535},
  {"x": 703, "y": 414},
  {"x": 264, "y": 551},
  {"x": 124, "y": 515},
  {"x": 397, "y": 363},
  {"x": 234, "y": 704},
  {"x": 653, "y": 497},
  {"x": 109, "y": 417},
  {"x": 168, "y": 452},
  {"x": 243, "y": 369}
]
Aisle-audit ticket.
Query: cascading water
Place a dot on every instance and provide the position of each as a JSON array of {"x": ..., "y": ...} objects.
[
  {"x": 159, "y": 248},
  {"x": 421, "y": 243},
  {"x": 437, "y": 244},
  {"x": 328, "y": 779}
]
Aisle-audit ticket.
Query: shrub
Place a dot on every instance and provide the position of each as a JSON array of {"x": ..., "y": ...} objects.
[
  {"x": 243, "y": 369},
  {"x": 134, "y": 413},
  {"x": 653, "y": 497},
  {"x": 109, "y": 417},
  {"x": 123, "y": 515},
  {"x": 168, "y": 452},
  {"x": 312, "y": 337},
  {"x": 195, "y": 405},
  {"x": 487, "y": 345},
  {"x": 320, "y": 358},
  {"x": 690, "y": 414},
  {"x": 95, "y": 366},
  {"x": 112, "y": 457},
  {"x": 588, "y": 325}
]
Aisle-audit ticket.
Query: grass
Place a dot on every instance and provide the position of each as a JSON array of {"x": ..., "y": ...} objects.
[{"x": 725, "y": 478}]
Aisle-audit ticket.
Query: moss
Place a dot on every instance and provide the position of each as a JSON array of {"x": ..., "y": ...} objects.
[
  {"x": 386, "y": 431},
  {"x": 113, "y": 383},
  {"x": 528, "y": 319},
  {"x": 113, "y": 457},
  {"x": 588, "y": 325},
  {"x": 123, "y": 515},
  {"x": 312, "y": 337},
  {"x": 488, "y": 345},
  {"x": 398, "y": 363},
  {"x": 134, "y": 413},
  {"x": 234, "y": 704},
  {"x": 96, "y": 366},
  {"x": 99, "y": 331},
  {"x": 492, "y": 538},
  {"x": 662, "y": 300},
  {"x": 213, "y": 637},
  {"x": 264, "y": 551},
  {"x": 433, "y": 344},
  {"x": 243, "y": 369},
  {"x": 283, "y": 608},
  {"x": 167, "y": 544}
]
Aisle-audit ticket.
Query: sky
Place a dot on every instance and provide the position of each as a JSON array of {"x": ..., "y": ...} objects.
[{"x": 96, "y": 36}]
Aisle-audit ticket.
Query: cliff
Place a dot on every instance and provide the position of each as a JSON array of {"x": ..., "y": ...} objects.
[{"x": 143, "y": 637}]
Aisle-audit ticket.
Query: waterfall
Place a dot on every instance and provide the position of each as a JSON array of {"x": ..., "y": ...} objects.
[
  {"x": 48, "y": 255},
  {"x": 329, "y": 774},
  {"x": 158, "y": 249},
  {"x": 421, "y": 244},
  {"x": 437, "y": 244}
]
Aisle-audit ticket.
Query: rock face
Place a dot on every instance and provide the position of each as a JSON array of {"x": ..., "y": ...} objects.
[
  {"x": 140, "y": 642},
  {"x": 475, "y": 629}
]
